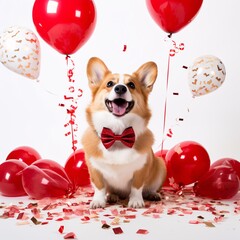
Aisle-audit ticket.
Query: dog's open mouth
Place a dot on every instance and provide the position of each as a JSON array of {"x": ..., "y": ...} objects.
[{"x": 119, "y": 106}]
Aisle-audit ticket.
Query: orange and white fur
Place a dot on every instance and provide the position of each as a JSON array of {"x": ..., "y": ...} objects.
[{"x": 118, "y": 102}]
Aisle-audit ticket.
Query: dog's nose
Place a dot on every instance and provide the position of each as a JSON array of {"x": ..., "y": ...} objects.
[{"x": 120, "y": 89}]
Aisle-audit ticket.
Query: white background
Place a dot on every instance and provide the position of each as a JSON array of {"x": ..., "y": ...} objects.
[
  {"x": 29, "y": 110},
  {"x": 30, "y": 114}
]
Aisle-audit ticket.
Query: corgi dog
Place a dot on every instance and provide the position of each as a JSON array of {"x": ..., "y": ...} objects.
[{"x": 118, "y": 143}]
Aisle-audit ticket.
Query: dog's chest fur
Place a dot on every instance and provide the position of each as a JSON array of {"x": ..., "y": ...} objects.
[
  {"x": 118, "y": 167},
  {"x": 118, "y": 164}
]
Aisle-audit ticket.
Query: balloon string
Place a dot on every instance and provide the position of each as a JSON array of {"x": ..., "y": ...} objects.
[
  {"x": 172, "y": 52},
  {"x": 71, "y": 104},
  {"x": 165, "y": 104}
]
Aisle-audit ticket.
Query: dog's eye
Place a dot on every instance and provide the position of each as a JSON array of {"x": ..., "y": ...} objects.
[
  {"x": 110, "y": 84},
  {"x": 131, "y": 85}
]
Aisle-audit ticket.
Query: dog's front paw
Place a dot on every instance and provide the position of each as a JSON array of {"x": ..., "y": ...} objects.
[
  {"x": 97, "y": 203},
  {"x": 98, "y": 200},
  {"x": 136, "y": 203},
  {"x": 135, "y": 198}
]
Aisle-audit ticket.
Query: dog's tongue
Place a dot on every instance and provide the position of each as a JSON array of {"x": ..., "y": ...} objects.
[{"x": 120, "y": 109}]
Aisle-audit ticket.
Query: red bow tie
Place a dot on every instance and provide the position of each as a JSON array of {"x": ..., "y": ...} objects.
[{"x": 127, "y": 137}]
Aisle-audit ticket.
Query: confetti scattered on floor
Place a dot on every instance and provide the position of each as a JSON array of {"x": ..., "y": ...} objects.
[{"x": 43, "y": 212}]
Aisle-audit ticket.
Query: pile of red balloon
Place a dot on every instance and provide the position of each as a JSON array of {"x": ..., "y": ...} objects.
[
  {"x": 25, "y": 173},
  {"x": 189, "y": 163}
]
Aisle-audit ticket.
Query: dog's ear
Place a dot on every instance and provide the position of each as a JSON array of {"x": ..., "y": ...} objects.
[
  {"x": 147, "y": 75},
  {"x": 96, "y": 70}
]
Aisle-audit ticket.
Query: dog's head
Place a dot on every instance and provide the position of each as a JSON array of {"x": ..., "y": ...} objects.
[{"x": 120, "y": 94}]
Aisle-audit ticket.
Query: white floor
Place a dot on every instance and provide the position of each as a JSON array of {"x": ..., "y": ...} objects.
[{"x": 176, "y": 217}]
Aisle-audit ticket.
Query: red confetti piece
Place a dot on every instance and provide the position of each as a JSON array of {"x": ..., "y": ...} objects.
[
  {"x": 114, "y": 212},
  {"x": 130, "y": 216},
  {"x": 195, "y": 208},
  {"x": 70, "y": 235},
  {"x": 219, "y": 219},
  {"x": 117, "y": 230},
  {"x": 31, "y": 205},
  {"x": 36, "y": 212},
  {"x": 44, "y": 223},
  {"x": 186, "y": 211},
  {"x": 67, "y": 210},
  {"x": 124, "y": 48},
  {"x": 175, "y": 93},
  {"x": 194, "y": 222},
  {"x": 131, "y": 210},
  {"x": 171, "y": 211},
  {"x": 142, "y": 231},
  {"x": 20, "y": 216},
  {"x": 185, "y": 67},
  {"x": 123, "y": 212},
  {"x": 61, "y": 229},
  {"x": 85, "y": 218}
]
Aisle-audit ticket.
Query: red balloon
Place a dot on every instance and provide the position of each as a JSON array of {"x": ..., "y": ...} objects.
[
  {"x": 235, "y": 164},
  {"x": 40, "y": 183},
  {"x": 65, "y": 25},
  {"x": 163, "y": 153},
  {"x": 52, "y": 165},
  {"x": 11, "y": 178},
  {"x": 187, "y": 162},
  {"x": 77, "y": 169},
  {"x": 24, "y": 154},
  {"x": 173, "y": 15},
  {"x": 220, "y": 182}
]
